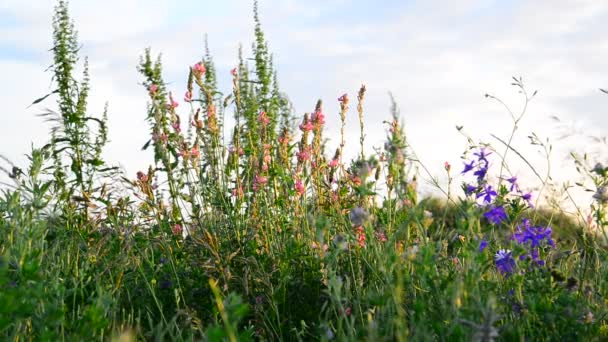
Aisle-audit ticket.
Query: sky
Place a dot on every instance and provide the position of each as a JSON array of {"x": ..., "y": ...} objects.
[{"x": 437, "y": 57}]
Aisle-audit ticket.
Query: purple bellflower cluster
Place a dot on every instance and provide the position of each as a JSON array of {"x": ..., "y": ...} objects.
[{"x": 495, "y": 213}]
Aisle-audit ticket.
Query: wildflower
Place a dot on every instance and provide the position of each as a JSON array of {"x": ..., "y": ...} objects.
[
  {"x": 487, "y": 194},
  {"x": 380, "y": 236},
  {"x": 199, "y": 68},
  {"x": 194, "y": 152},
  {"x": 496, "y": 214},
  {"x": 142, "y": 177},
  {"x": 601, "y": 195},
  {"x": 481, "y": 173},
  {"x": 318, "y": 118},
  {"x": 333, "y": 163},
  {"x": 300, "y": 189},
  {"x": 504, "y": 261},
  {"x": 360, "y": 233},
  {"x": 233, "y": 72},
  {"x": 481, "y": 155},
  {"x": 468, "y": 167},
  {"x": 153, "y": 89},
  {"x": 347, "y": 311},
  {"x": 358, "y": 216},
  {"x": 263, "y": 118},
  {"x": 343, "y": 99},
  {"x": 176, "y": 127},
  {"x": 513, "y": 182},
  {"x": 238, "y": 192},
  {"x": 447, "y": 166},
  {"x": 163, "y": 138},
  {"x": 482, "y": 245},
  {"x": 303, "y": 155},
  {"x": 188, "y": 96},
  {"x": 172, "y": 103},
  {"x": 306, "y": 126},
  {"x": 469, "y": 189},
  {"x": 259, "y": 181},
  {"x": 527, "y": 197},
  {"x": 177, "y": 229},
  {"x": 534, "y": 235}
]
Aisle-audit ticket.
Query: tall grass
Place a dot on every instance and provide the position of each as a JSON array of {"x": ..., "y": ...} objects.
[{"x": 265, "y": 234}]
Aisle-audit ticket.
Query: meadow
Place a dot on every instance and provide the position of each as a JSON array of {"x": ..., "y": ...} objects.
[{"x": 258, "y": 231}]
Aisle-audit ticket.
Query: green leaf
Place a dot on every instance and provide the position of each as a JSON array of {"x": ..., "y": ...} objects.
[
  {"x": 43, "y": 98},
  {"x": 95, "y": 162}
]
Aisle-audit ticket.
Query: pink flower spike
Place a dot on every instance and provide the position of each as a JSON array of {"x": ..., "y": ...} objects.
[
  {"x": 188, "y": 96},
  {"x": 199, "y": 68},
  {"x": 334, "y": 163},
  {"x": 307, "y": 127},
  {"x": 233, "y": 72}
]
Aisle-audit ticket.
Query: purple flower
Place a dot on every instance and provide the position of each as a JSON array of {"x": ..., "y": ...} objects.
[
  {"x": 469, "y": 189},
  {"x": 527, "y": 197},
  {"x": 468, "y": 167},
  {"x": 513, "y": 181},
  {"x": 534, "y": 235},
  {"x": 481, "y": 155},
  {"x": 487, "y": 194},
  {"x": 496, "y": 214},
  {"x": 481, "y": 173},
  {"x": 504, "y": 261},
  {"x": 482, "y": 245}
]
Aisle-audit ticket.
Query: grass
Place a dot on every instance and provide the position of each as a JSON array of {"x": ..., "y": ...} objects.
[{"x": 264, "y": 234}]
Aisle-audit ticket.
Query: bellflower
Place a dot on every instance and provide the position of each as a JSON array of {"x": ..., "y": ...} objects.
[
  {"x": 504, "y": 261},
  {"x": 496, "y": 214}
]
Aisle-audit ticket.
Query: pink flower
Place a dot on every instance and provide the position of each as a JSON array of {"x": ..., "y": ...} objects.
[
  {"x": 163, "y": 138},
  {"x": 142, "y": 177},
  {"x": 195, "y": 152},
  {"x": 300, "y": 189},
  {"x": 306, "y": 127},
  {"x": 333, "y": 163},
  {"x": 259, "y": 182},
  {"x": 173, "y": 103},
  {"x": 360, "y": 233},
  {"x": 176, "y": 127},
  {"x": 380, "y": 236},
  {"x": 447, "y": 166},
  {"x": 152, "y": 89},
  {"x": 177, "y": 229},
  {"x": 233, "y": 72},
  {"x": 188, "y": 96},
  {"x": 238, "y": 192},
  {"x": 318, "y": 118},
  {"x": 199, "y": 68},
  {"x": 303, "y": 155},
  {"x": 263, "y": 118},
  {"x": 261, "y": 179}
]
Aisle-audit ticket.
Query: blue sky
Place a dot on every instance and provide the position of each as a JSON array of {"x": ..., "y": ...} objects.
[{"x": 438, "y": 58}]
